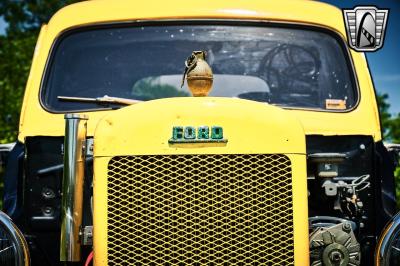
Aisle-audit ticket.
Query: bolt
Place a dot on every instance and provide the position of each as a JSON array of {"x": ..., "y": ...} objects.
[
  {"x": 47, "y": 211},
  {"x": 48, "y": 193},
  {"x": 346, "y": 226},
  {"x": 336, "y": 256}
]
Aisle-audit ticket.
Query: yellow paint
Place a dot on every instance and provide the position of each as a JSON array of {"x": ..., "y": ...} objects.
[
  {"x": 249, "y": 127},
  {"x": 255, "y": 129},
  {"x": 36, "y": 121},
  {"x": 127, "y": 131},
  {"x": 100, "y": 211}
]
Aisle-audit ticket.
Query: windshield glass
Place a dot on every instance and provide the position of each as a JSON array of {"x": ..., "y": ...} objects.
[{"x": 290, "y": 67}]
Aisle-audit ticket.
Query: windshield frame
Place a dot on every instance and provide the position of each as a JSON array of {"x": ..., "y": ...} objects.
[{"x": 187, "y": 22}]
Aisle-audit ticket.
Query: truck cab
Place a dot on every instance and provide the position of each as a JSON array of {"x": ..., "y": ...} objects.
[{"x": 280, "y": 162}]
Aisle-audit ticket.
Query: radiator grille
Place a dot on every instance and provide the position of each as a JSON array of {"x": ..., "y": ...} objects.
[{"x": 200, "y": 210}]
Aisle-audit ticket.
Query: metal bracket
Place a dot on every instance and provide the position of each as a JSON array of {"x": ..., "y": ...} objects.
[
  {"x": 89, "y": 147},
  {"x": 86, "y": 235}
]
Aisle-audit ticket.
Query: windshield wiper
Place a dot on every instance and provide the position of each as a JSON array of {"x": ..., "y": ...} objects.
[{"x": 104, "y": 99}]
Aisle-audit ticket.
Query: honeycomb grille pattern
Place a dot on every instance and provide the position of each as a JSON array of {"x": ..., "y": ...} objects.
[{"x": 200, "y": 210}]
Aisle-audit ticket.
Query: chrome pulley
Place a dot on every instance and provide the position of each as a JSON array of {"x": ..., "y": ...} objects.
[{"x": 13, "y": 247}]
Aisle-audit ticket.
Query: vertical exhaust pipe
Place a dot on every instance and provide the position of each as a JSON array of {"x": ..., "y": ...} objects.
[{"x": 72, "y": 187}]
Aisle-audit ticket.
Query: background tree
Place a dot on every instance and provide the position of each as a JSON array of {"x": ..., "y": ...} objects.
[
  {"x": 24, "y": 19},
  {"x": 384, "y": 113},
  {"x": 390, "y": 124}
]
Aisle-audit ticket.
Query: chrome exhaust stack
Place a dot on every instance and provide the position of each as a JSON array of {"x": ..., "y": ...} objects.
[{"x": 72, "y": 187}]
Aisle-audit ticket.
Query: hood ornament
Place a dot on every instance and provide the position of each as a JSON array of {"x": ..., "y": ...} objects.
[{"x": 198, "y": 74}]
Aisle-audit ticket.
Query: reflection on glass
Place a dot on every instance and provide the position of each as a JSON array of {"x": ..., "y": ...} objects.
[{"x": 282, "y": 66}]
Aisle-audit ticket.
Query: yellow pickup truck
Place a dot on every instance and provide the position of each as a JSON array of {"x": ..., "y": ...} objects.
[{"x": 268, "y": 151}]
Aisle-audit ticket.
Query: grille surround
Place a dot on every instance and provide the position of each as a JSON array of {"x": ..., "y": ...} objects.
[{"x": 219, "y": 209}]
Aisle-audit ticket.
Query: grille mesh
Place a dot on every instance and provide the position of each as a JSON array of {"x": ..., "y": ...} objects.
[{"x": 200, "y": 210}]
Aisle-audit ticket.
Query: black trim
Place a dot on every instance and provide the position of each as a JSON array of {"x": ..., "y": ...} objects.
[
  {"x": 33, "y": 167},
  {"x": 385, "y": 197},
  {"x": 14, "y": 182},
  {"x": 289, "y": 25}
]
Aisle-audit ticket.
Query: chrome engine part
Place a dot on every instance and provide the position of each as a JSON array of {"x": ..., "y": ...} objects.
[
  {"x": 335, "y": 245},
  {"x": 72, "y": 189}
]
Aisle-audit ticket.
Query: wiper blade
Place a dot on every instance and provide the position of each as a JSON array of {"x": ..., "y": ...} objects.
[{"x": 104, "y": 99}]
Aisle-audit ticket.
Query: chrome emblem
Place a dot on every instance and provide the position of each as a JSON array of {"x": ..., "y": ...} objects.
[
  {"x": 202, "y": 134},
  {"x": 365, "y": 27}
]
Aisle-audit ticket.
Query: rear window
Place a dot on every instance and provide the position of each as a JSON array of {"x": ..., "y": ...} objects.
[{"x": 288, "y": 67}]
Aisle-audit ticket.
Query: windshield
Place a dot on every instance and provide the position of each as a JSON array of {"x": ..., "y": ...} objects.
[{"x": 290, "y": 67}]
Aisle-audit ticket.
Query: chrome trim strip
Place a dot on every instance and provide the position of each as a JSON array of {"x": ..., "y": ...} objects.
[{"x": 7, "y": 147}]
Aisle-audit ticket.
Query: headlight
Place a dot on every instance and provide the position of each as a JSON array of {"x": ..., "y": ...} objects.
[{"x": 13, "y": 248}]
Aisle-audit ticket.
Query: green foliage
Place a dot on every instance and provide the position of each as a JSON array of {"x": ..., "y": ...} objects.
[
  {"x": 28, "y": 15},
  {"x": 390, "y": 124},
  {"x": 394, "y": 129},
  {"x": 397, "y": 181},
  {"x": 384, "y": 113},
  {"x": 16, "y": 54},
  {"x": 24, "y": 20}
]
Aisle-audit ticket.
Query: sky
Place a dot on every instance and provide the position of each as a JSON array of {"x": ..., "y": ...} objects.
[
  {"x": 384, "y": 63},
  {"x": 3, "y": 26}
]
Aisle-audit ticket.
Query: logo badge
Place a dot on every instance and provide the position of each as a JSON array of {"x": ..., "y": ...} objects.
[
  {"x": 365, "y": 27},
  {"x": 202, "y": 134}
]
